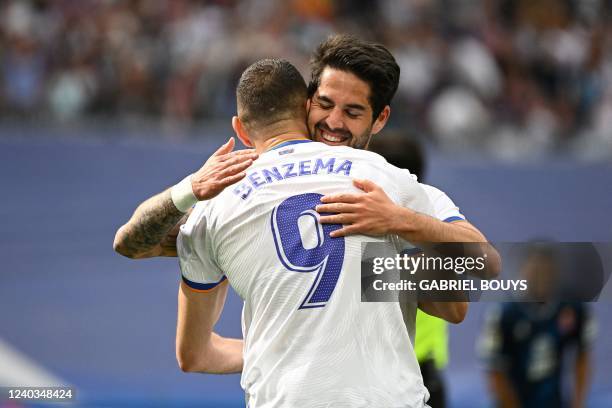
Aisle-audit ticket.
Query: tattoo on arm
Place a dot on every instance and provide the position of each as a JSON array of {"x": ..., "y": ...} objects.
[
  {"x": 147, "y": 230},
  {"x": 168, "y": 243}
]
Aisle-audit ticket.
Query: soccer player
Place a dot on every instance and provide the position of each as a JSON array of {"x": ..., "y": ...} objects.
[{"x": 308, "y": 338}]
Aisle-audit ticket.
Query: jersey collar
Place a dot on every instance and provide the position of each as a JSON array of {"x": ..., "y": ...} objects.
[{"x": 288, "y": 142}]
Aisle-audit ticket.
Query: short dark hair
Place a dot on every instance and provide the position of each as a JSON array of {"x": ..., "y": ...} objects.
[
  {"x": 370, "y": 62},
  {"x": 268, "y": 91}
]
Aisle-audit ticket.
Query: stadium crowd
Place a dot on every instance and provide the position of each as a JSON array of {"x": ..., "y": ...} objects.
[{"x": 518, "y": 77}]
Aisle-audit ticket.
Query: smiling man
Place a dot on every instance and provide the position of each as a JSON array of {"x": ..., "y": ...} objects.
[
  {"x": 351, "y": 87},
  {"x": 352, "y": 84}
]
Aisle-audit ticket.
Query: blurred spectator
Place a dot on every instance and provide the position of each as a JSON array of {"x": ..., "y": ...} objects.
[
  {"x": 526, "y": 345},
  {"x": 518, "y": 77}
]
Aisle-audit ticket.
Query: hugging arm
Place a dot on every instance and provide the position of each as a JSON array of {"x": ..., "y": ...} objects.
[
  {"x": 152, "y": 229},
  {"x": 374, "y": 213}
]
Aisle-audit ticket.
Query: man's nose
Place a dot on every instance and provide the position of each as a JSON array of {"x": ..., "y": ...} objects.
[{"x": 335, "y": 120}]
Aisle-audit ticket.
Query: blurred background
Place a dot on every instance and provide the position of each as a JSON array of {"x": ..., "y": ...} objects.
[{"x": 104, "y": 103}]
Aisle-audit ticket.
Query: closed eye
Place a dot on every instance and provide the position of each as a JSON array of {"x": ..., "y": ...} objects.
[{"x": 324, "y": 102}]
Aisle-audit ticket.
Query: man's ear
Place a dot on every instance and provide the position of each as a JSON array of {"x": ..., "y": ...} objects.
[
  {"x": 381, "y": 120},
  {"x": 240, "y": 132}
]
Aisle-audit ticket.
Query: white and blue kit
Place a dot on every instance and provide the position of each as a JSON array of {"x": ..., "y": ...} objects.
[{"x": 309, "y": 341}]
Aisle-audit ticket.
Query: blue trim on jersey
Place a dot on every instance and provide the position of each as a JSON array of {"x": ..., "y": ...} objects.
[
  {"x": 290, "y": 142},
  {"x": 202, "y": 286},
  {"x": 454, "y": 218}
]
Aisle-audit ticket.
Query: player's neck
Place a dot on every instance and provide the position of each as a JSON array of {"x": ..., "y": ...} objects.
[
  {"x": 272, "y": 142},
  {"x": 279, "y": 135}
]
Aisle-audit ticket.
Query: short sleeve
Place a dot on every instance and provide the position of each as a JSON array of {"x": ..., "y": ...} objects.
[
  {"x": 444, "y": 208},
  {"x": 196, "y": 257},
  {"x": 411, "y": 193}
]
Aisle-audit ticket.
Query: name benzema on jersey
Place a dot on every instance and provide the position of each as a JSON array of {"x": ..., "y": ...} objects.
[{"x": 268, "y": 175}]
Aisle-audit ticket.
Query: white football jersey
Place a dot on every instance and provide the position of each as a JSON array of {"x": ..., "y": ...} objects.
[
  {"x": 444, "y": 208},
  {"x": 309, "y": 341}
]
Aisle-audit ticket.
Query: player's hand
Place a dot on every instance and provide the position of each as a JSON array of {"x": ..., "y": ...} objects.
[
  {"x": 369, "y": 213},
  {"x": 224, "y": 168}
]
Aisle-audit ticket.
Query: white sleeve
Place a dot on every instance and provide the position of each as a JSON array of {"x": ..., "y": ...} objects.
[
  {"x": 198, "y": 268},
  {"x": 410, "y": 192},
  {"x": 444, "y": 208}
]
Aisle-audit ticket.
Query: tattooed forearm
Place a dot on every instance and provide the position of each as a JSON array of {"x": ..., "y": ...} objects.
[
  {"x": 150, "y": 231},
  {"x": 145, "y": 234}
]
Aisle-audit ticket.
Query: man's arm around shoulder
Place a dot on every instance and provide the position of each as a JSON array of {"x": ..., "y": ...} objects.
[
  {"x": 148, "y": 232},
  {"x": 152, "y": 229}
]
